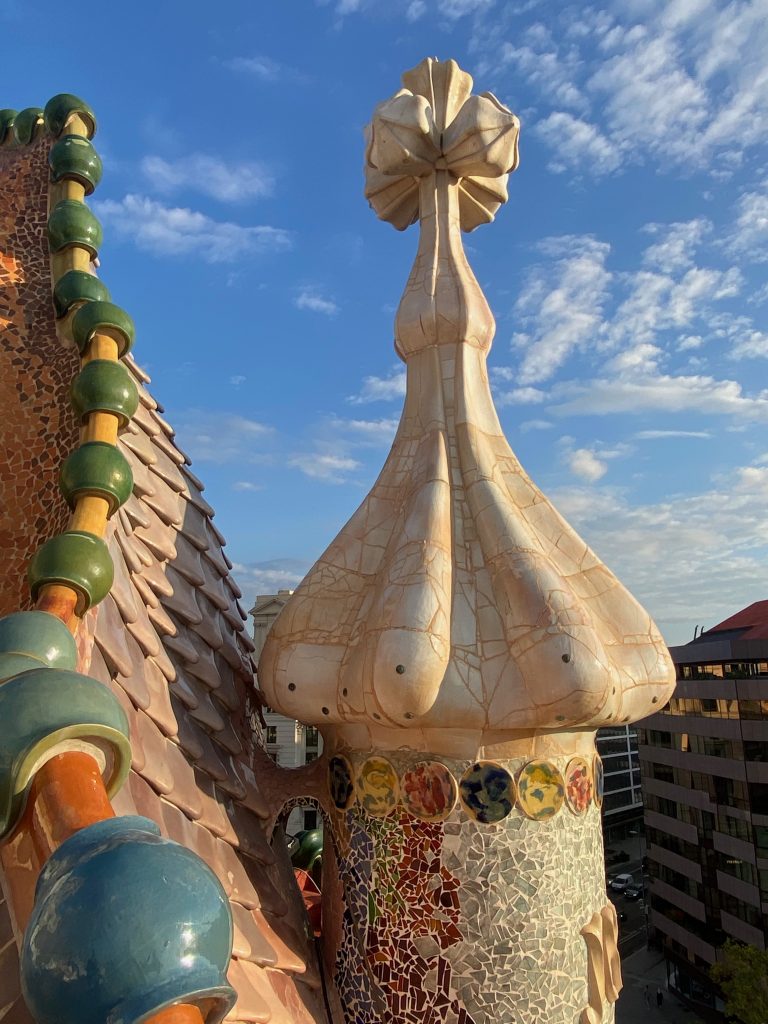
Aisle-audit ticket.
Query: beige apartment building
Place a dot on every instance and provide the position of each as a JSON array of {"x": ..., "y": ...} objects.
[{"x": 289, "y": 742}]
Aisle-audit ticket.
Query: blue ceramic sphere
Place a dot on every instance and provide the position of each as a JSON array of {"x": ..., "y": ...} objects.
[{"x": 126, "y": 923}]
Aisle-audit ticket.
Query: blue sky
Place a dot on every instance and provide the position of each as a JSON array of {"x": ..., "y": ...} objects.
[{"x": 627, "y": 273}]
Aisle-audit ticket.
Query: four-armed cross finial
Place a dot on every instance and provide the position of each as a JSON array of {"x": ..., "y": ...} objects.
[{"x": 433, "y": 124}]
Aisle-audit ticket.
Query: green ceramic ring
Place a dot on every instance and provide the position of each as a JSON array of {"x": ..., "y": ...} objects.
[
  {"x": 73, "y": 559},
  {"x": 73, "y": 158},
  {"x": 44, "y": 711},
  {"x": 59, "y": 109},
  {"x": 94, "y": 315},
  {"x": 72, "y": 223},
  {"x": 25, "y": 124},
  {"x": 105, "y": 386},
  {"x": 96, "y": 468},
  {"x": 7, "y": 117},
  {"x": 40, "y": 636},
  {"x": 77, "y": 286}
]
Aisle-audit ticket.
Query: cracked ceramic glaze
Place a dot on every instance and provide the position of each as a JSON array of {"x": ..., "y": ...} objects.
[
  {"x": 456, "y": 608},
  {"x": 458, "y": 631}
]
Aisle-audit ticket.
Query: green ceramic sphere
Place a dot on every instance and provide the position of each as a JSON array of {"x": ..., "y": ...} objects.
[
  {"x": 73, "y": 158},
  {"x": 73, "y": 559},
  {"x": 40, "y": 636},
  {"x": 96, "y": 468},
  {"x": 77, "y": 286},
  {"x": 94, "y": 315},
  {"x": 72, "y": 223},
  {"x": 105, "y": 386},
  {"x": 25, "y": 124},
  {"x": 60, "y": 108},
  {"x": 7, "y": 117}
]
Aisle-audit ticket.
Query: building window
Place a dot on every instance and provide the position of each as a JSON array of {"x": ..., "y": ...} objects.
[
  {"x": 271, "y": 734},
  {"x": 312, "y": 736},
  {"x": 740, "y": 869},
  {"x": 758, "y": 797}
]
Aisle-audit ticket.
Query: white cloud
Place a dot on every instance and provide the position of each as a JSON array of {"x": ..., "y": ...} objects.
[
  {"x": 228, "y": 181},
  {"x": 698, "y": 394},
  {"x": 537, "y": 58},
  {"x": 258, "y": 578},
  {"x": 528, "y": 425},
  {"x": 749, "y": 236},
  {"x": 683, "y": 84},
  {"x": 332, "y": 469},
  {"x": 237, "y": 380},
  {"x": 676, "y": 245},
  {"x": 381, "y": 389},
  {"x": 310, "y": 298},
  {"x": 246, "y": 485},
  {"x": 579, "y": 145},
  {"x": 713, "y": 547},
  {"x": 454, "y": 9},
  {"x": 659, "y": 435},
  {"x": 416, "y": 9},
  {"x": 367, "y": 432},
  {"x": 753, "y": 345},
  {"x": 561, "y": 306},
  {"x": 179, "y": 231},
  {"x": 659, "y": 302},
  {"x": 585, "y": 464},
  {"x": 689, "y": 341},
  {"x": 221, "y": 437},
  {"x": 649, "y": 98},
  {"x": 520, "y": 396},
  {"x": 264, "y": 68}
]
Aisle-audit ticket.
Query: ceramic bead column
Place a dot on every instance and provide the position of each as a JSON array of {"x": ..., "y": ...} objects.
[
  {"x": 64, "y": 741},
  {"x": 458, "y": 645}
]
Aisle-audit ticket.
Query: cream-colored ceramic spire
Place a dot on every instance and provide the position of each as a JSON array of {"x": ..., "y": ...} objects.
[{"x": 456, "y": 601}]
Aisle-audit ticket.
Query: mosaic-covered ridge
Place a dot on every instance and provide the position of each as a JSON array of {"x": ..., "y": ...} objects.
[{"x": 169, "y": 641}]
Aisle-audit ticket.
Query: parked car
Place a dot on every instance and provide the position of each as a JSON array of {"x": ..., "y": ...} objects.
[
  {"x": 632, "y": 893},
  {"x": 613, "y": 857},
  {"x": 621, "y": 882}
]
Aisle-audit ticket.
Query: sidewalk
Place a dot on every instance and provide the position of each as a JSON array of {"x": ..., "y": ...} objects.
[{"x": 647, "y": 968}]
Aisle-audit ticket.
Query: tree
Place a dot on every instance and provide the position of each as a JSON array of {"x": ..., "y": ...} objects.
[{"x": 742, "y": 974}]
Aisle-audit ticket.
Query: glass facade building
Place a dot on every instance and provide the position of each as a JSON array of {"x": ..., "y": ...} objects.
[{"x": 622, "y": 800}]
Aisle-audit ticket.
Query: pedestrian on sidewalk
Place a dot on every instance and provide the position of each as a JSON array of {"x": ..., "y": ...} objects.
[
  {"x": 647, "y": 997},
  {"x": 659, "y": 998}
]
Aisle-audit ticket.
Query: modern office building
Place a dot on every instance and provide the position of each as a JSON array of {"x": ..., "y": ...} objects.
[
  {"x": 704, "y": 761},
  {"x": 289, "y": 742},
  {"x": 623, "y": 800}
]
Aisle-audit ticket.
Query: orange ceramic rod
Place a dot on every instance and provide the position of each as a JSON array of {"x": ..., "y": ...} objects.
[
  {"x": 181, "y": 1014},
  {"x": 67, "y": 794}
]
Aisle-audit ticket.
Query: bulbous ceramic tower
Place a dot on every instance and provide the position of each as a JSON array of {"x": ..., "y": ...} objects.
[{"x": 458, "y": 644}]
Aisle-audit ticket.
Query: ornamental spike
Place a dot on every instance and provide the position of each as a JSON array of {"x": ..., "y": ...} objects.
[{"x": 456, "y": 607}]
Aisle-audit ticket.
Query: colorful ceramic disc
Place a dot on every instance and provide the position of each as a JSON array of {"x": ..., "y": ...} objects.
[
  {"x": 599, "y": 781},
  {"x": 428, "y": 791},
  {"x": 377, "y": 787},
  {"x": 487, "y": 792},
  {"x": 340, "y": 782},
  {"x": 578, "y": 785},
  {"x": 541, "y": 790}
]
